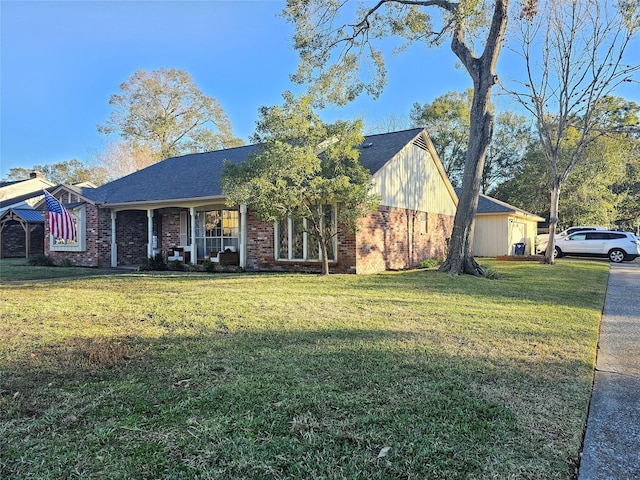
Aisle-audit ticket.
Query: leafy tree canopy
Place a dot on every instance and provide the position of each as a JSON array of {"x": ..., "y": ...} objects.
[
  {"x": 340, "y": 59},
  {"x": 164, "y": 112},
  {"x": 604, "y": 186},
  {"x": 447, "y": 122},
  {"x": 302, "y": 165},
  {"x": 65, "y": 172}
]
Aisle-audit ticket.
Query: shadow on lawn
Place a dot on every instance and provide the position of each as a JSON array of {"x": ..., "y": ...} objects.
[
  {"x": 334, "y": 398},
  {"x": 578, "y": 284}
]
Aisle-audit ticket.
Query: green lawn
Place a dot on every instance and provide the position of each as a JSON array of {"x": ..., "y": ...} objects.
[
  {"x": 18, "y": 269},
  {"x": 229, "y": 376}
]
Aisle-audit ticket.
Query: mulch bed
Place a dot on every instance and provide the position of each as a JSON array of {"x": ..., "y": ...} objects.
[{"x": 521, "y": 258}]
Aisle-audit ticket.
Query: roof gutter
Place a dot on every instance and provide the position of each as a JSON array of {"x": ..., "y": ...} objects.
[{"x": 171, "y": 202}]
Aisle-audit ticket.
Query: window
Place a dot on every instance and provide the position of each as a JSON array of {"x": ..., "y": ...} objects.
[
  {"x": 578, "y": 236},
  {"x": 424, "y": 226},
  {"x": 217, "y": 230},
  {"x": 294, "y": 242},
  {"x": 79, "y": 245}
]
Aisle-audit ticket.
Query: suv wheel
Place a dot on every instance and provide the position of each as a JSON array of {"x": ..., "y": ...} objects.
[
  {"x": 557, "y": 253},
  {"x": 616, "y": 255}
]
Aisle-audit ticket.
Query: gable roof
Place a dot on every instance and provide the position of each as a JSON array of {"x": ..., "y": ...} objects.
[
  {"x": 29, "y": 215},
  {"x": 197, "y": 175},
  {"x": 492, "y": 206},
  {"x": 18, "y": 194},
  {"x": 377, "y": 150}
]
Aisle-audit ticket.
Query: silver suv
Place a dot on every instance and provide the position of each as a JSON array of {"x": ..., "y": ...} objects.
[
  {"x": 617, "y": 246},
  {"x": 543, "y": 240}
]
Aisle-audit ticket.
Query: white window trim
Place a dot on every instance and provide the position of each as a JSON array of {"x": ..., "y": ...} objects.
[
  {"x": 276, "y": 250},
  {"x": 79, "y": 214}
]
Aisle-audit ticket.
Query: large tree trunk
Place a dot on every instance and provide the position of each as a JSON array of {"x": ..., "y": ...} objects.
[
  {"x": 460, "y": 256},
  {"x": 482, "y": 71}
]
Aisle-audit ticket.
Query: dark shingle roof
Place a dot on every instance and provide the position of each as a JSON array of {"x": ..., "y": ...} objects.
[
  {"x": 190, "y": 176},
  {"x": 488, "y": 204},
  {"x": 378, "y": 149},
  {"x": 198, "y": 175}
]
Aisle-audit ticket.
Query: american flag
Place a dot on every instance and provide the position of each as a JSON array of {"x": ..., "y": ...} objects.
[{"x": 60, "y": 221}]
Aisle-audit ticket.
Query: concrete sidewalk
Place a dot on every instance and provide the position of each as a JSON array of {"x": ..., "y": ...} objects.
[{"x": 612, "y": 441}]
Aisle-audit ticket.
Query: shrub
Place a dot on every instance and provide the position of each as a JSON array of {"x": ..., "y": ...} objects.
[
  {"x": 490, "y": 272},
  {"x": 153, "y": 263},
  {"x": 430, "y": 262},
  {"x": 66, "y": 263},
  {"x": 41, "y": 261},
  {"x": 176, "y": 265},
  {"x": 208, "y": 266}
]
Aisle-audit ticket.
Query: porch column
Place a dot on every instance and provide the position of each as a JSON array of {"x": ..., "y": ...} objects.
[
  {"x": 243, "y": 235},
  {"x": 27, "y": 239},
  {"x": 114, "y": 244},
  {"x": 150, "y": 233},
  {"x": 194, "y": 251}
]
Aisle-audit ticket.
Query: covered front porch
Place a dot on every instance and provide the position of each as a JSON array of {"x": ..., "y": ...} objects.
[{"x": 190, "y": 234}]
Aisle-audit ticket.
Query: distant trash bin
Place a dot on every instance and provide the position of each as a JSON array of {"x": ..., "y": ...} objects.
[{"x": 518, "y": 248}]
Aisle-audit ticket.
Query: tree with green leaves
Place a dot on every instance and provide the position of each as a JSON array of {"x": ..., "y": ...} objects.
[
  {"x": 602, "y": 187},
  {"x": 573, "y": 55},
  {"x": 65, "y": 172},
  {"x": 164, "y": 112},
  {"x": 340, "y": 59},
  {"x": 512, "y": 136},
  {"x": 627, "y": 189},
  {"x": 303, "y": 167},
  {"x": 447, "y": 121}
]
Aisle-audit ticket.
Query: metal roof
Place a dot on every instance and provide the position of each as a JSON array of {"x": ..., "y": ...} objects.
[{"x": 29, "y": 215}]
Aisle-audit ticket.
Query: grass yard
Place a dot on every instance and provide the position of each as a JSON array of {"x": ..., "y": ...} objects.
[
  {"x": 18, "y": 269},
  {"x": 413, "y": 375}
]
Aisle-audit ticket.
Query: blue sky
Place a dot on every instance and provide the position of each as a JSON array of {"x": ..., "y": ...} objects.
[{"x": 61, "y": 62}]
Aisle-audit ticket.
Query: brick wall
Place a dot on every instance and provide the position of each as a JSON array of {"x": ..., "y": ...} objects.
[
  {"x": 131, "y": 237},
  {"x": 90, "y": 257},
  {"x": 13, "y": 239},
  {"x": 388, "y": 239},
  {"x": 170, "y": 229},
  {"x": 396, "y": 239},
  {"x": 261, "y": 257}
]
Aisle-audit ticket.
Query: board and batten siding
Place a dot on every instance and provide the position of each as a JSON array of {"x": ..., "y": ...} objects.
[
  {"x": 396, "y": 182},
  {"x": 496, "y": 235},
  {"x": 490, "y": 235}
]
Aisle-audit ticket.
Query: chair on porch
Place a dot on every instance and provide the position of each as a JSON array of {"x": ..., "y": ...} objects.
[
  {"x": 229, "y": 256},
  {"x": 177, "y": 254}
]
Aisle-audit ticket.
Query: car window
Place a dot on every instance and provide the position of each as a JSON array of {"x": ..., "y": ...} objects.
[
  {"x": 578, "y": 236},
  {"x": 578, "y": 229},
  {"x": 617, "y": 235},
  {"x": 598, "y": 236}
]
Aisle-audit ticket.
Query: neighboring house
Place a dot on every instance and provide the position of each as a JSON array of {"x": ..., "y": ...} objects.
[
  {"x": 500, "y": 226},
  {"x": 22, "y": 227},
  {"x": 177, "y": 204},
  {"x": 23, "y": 193}
]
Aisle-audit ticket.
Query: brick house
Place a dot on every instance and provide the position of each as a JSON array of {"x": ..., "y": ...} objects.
[{"x": 176, "y": 207}]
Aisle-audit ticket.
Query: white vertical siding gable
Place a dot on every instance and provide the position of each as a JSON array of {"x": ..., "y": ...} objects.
[{"x": 415, "y": 179}]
